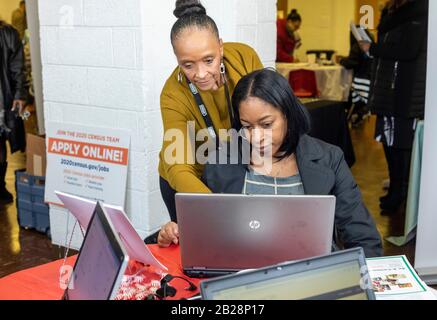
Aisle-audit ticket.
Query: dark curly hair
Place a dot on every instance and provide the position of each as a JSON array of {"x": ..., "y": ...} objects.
[
  {"x": 191, "y": 13},
  {"x": 294, "y": 16}
]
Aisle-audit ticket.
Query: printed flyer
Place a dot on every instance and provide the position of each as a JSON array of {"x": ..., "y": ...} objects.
[
  {"x": 87, "y": 162},
  {"x": 395, "y": 278}
]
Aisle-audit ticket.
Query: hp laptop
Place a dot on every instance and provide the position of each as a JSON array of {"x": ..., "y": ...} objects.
[
  {"x": 340, "y": 276},
  {"x": 101, "y": 263},
  {"x": 224, "y": 233}
]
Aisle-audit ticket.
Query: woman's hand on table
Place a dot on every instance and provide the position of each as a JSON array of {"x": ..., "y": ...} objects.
[{"x": 169, "y": 234}]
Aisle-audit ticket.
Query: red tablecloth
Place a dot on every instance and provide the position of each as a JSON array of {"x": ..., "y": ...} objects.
[{"x": 42, "y": 283}]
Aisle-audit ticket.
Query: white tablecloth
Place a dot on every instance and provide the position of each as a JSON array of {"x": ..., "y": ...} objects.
[{"x": 333, "y": 82}]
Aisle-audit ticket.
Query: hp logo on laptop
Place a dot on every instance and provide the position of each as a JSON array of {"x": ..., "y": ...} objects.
[{"x": 254, "y": 225}]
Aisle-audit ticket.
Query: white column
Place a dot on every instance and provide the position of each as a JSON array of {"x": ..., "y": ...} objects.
[
  {"x": 104, "y": 65},
  {"x": 35, "y": 53}
]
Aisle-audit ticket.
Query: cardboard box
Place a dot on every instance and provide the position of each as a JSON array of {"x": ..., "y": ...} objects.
[{"x": 36, "y": 155}]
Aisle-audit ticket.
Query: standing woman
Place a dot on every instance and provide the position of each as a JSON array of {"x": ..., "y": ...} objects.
[
  {"x": 287, "y": 37},
  {"x": 198, "y": 91},
  {"x": 398, "y": 88}
]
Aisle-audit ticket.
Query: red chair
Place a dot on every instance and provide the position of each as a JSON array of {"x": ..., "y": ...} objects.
[{"x": 303, "y": 82}]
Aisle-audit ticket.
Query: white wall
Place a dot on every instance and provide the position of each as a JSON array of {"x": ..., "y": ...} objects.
[
  {"x": 35, "y": 54},
  {"x": 6, "y": 9},
  {"x": 426, "y": 243},
  {"x": 325, "y": 24},
  {"x": 105, "y": 63}
]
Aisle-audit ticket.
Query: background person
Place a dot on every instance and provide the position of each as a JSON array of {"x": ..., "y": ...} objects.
[
  {"x": 398, "y": 89},
  {"x": 13, "y": 95},
  {"x": 287, "y": 37},
  {"x": 361, "y": 64}
]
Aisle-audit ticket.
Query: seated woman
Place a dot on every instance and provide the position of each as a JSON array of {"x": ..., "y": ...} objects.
[{"x": 274, "y": 122}]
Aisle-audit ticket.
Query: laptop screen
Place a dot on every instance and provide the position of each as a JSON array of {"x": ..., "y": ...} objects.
[
  {"x": 321, "y": 281},
  {"x": 99, "y": 264},
  {"x": 244, "y": 231}
]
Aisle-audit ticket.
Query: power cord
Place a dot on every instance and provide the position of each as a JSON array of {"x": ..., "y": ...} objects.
[{"x": 168, "y": 291}]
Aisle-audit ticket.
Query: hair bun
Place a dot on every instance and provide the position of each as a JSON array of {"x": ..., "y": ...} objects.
[
  {"x": 188, "y": 7},
  {"x": 294, "y": 11}
]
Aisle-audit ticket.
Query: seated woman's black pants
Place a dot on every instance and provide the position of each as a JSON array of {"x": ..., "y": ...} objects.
[{"x": 168, "y": 195}]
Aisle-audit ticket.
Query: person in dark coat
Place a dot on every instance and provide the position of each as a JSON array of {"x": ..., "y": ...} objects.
[
  {"x": 398, "y": 88},
  {"x": 361, "y": 65},
  {"x": 273, "y": 122},
  {"x": 12, "y": 99}
]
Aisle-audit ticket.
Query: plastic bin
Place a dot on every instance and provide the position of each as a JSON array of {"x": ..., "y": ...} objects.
[{"x": 33, "y": 213}]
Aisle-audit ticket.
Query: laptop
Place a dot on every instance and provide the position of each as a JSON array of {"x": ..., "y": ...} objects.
[
  {"x": 83, "y": 208},
  {"x": 224, "y": 233},
  {"x": 341, "y": 275},
  {"x": 101, "y": 263}
]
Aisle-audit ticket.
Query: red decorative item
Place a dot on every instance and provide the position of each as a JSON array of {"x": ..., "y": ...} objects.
[
  {"x": 303, "y": 82},
  {"x": 139, "y": 282}
]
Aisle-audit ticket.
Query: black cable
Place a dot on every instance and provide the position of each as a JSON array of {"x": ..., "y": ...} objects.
[
  {"x": 192, "y": 286},
  {"x": 168, "y": 291}
]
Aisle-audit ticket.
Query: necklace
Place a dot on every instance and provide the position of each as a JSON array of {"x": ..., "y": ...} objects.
[{"x": 268, "y": 170}]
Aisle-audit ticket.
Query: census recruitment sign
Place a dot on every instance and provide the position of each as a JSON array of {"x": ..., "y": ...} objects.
[{"x": 87, "y": 162}]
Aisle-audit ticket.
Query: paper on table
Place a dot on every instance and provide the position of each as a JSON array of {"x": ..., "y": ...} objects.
[
  {"x": 83, "y": 209},
  {"x": 394, "y": 278},
  {"x": 359, "y": 33}
]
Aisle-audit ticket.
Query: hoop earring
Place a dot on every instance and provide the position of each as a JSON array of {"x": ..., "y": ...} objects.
[
  {"x": 180, "y": 76},
  {"x": 222, "y": 68}
]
